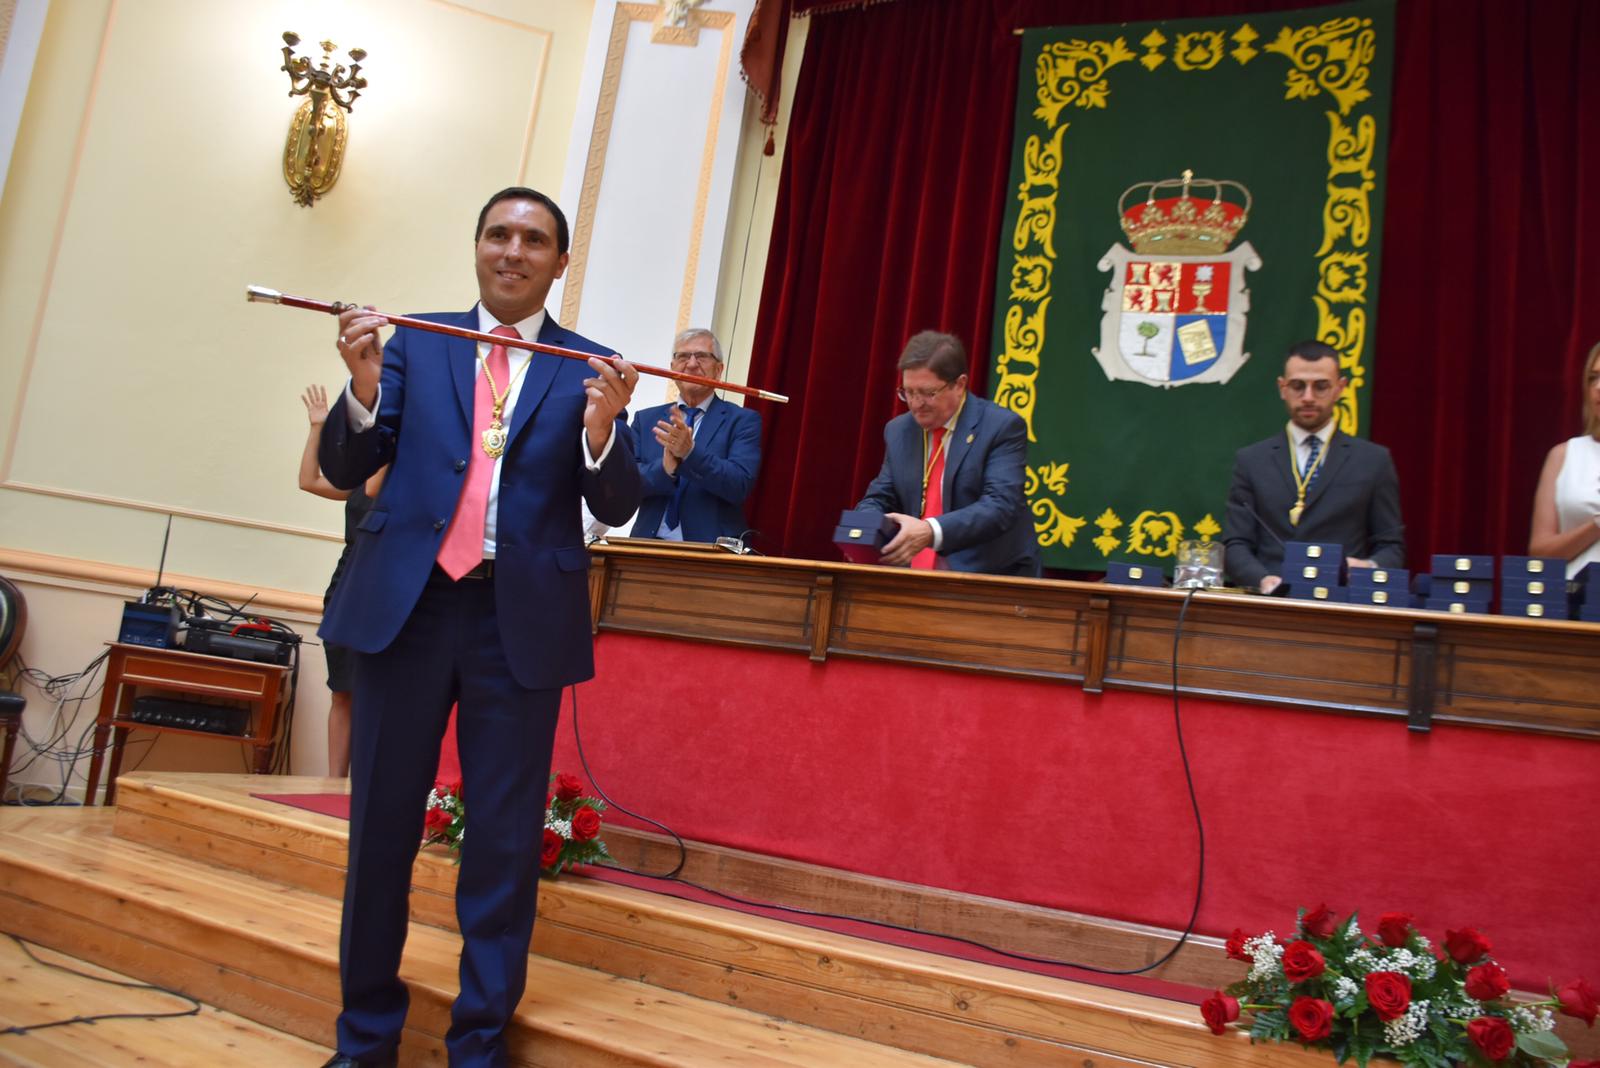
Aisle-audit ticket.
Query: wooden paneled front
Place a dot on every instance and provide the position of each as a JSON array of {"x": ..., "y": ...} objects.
[{"x": 1493, "y": 671}]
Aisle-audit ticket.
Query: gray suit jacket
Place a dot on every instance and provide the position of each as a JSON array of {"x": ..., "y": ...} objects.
[
  {"x": 1355, "y": 502},
  {"x": 986, "y": 523}
]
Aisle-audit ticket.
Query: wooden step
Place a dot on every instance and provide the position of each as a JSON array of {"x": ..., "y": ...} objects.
[
  {"x": 924, "y": 1002},
  {"x": 268, "y": 951},
  {"x": 56, "y": 987}
]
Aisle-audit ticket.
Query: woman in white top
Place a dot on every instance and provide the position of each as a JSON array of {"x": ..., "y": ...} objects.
[{"x": 1566, "y": 506}]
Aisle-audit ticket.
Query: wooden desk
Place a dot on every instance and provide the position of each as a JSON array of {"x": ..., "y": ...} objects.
[
  {"x": 259, "y": 686},
  {"x": 1015, "y": 740},
  {"x": 1418, "y": 667}
]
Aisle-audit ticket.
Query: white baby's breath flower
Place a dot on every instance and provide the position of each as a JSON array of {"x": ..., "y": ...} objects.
[
  {"x": 1266, "y": 956},
  {"x": 1526, "y": 1019},
  {"x": 1362, "y": 961},
  {"x": 1345, "y": 990},
  {"x": 1407, "y": 1027},
  {"x": 1415, "y": 965}
]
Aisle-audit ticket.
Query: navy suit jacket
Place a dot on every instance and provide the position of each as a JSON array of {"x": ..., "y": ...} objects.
[
  {"x": 986, "y": 523},
  {"x": 1355, "y": 502},
  {"x": 718, "y": 472},
  {"x": 424, "y": 429}
]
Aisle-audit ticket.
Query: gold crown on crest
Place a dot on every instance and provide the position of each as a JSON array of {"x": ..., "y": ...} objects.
[{"x": 1183, "y": 224}]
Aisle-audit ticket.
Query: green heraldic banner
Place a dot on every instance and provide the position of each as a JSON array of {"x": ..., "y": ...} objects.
[{"x": 1193, "y": 197}]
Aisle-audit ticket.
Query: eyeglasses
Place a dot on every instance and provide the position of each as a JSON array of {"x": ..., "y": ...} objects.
[
  {"x": 909, "y": 395},
  {"x": 684, "y": 359},
  {"x": 1320, "y": 387}
]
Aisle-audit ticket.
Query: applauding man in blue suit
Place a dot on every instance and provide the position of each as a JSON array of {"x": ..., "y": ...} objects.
[
  {"x": 468, "y": 585},
  {"x": 697, "y": 458}
]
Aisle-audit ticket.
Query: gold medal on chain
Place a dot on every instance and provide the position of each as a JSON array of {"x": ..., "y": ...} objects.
[{"x": 493, "y": 439}]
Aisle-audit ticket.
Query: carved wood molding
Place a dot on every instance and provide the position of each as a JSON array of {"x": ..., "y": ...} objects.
[{"x": 1416, "y": 667}]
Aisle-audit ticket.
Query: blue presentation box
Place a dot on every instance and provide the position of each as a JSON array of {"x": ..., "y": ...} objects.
[
  {"x": 1297, "y": 554},
  {"x": 1399, "y": 597},
  {"x": 1541, "y": 609},
  {"x": 1534, "y": 589},
  {"x": 1448, "y": 588},
  {"x": 1123, "y": 574},
  {"x": 1456, "y": 606},
  {"x": 1376, "y": 578},
  {"x": 1587, "y": 582},
  {"x": 1549, "y": 568},
  {"x": 861, "y": 535},
  {"x": 1462, "y": 589},
  {"x": 1588, "y": 613},
  {"x": 1302, "y": 591},
  {"x": 1462, "y": 567},
  {"x": 1310, "y": 574}
]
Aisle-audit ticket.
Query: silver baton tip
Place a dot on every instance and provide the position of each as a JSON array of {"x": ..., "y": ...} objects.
[{"x": 262, "y": 295}]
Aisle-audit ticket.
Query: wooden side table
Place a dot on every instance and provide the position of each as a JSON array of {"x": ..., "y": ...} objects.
[{"x": 183, "y": 674}]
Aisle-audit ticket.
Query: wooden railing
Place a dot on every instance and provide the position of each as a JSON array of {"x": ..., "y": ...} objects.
[{"x": 1418, "y": 667}]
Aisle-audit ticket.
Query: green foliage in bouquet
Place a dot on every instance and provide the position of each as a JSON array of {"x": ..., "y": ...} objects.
[
  {"x": 571, "y": 823},
  {"x": 1394, "y": 995}
]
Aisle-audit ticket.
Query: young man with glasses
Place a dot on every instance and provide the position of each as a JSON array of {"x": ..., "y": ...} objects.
[
  {"x": 952, "y": 471},
  {"x": 1310, "y": 482},
  {"x": 697, "y": 457}
]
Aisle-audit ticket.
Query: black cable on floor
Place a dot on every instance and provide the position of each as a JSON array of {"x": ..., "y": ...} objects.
[
  {"x": 193, "y": 1010},
  {"x": 675, "y": 875}
]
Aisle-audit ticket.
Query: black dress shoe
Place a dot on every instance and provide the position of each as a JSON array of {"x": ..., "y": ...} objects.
[{"x": 344, "y": 1060}]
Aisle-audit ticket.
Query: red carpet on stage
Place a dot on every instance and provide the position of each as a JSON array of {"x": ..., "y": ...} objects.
[
  {"x": 339, "y": 805},
  {"x": 1036, "y": 792},
  {"x": 325, "y": 804}
]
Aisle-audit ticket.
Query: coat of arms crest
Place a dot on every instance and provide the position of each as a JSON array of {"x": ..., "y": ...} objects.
[{"x": 1175, "y": 308}]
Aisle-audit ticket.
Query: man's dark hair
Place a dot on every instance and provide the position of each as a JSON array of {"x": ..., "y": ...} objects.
[
  {"x": 522, "y": 192},
  {"x": 943, "y": 354},
  {"x": 1313, "y": 351}
]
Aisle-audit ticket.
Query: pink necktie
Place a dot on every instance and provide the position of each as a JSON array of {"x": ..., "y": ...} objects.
[{"x": 462, "y": 548}]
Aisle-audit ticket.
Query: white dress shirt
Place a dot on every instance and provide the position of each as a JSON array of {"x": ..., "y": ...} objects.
[
  {"x": 949, "y": 429},
  {"x": 361, "y": 419},
  {"x": 1302, "y": 447}
]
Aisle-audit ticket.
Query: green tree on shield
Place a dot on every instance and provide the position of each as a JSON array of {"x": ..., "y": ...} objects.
[{"x": 1147, "y": 330}]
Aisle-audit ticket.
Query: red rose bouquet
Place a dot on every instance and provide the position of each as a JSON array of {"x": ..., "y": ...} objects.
[
  {"x": 571, "y": 823},
  {"x": 1393, "y": 995},
  {"x": 571, "y": 826}
]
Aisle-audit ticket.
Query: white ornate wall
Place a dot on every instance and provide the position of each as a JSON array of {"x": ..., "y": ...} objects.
[
  {"x": 136, "y": 383},
  {"x": 649, "y": 176}
]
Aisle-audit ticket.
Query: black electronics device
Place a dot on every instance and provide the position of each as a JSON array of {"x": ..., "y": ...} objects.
[
  {"x": 215, "y": 637},
  {"x": 190, "y": 715},
  {"x": 145, "y": 622},
  {"x": 155, "y": 625}
]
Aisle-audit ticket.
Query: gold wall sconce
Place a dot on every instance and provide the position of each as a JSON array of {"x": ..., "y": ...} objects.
[{"x": 315, "y": 149}]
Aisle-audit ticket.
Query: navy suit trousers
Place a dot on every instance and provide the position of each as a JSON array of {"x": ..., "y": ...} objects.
[{"x": 448, "y": 651}]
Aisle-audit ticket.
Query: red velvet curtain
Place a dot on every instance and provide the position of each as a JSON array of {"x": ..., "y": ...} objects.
[{"x": 895, "y": 177}]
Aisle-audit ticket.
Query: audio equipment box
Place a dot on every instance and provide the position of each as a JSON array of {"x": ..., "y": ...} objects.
[
  {"x": 217, "y": 638},
  {"x": 154, "y": 625},
  {"x": 190, "y": 715}
]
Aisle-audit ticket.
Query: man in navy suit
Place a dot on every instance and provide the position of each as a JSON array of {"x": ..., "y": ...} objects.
[
  {"x": 1311, "y": 482},
  {"x": 697, "y": 458},
  {"x": 468, "y": 585},
  {"x": 952, "y": 471}
]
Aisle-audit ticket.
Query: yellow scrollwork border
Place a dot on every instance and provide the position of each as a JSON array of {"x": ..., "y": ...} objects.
[{"x": 1333, "y": 57}]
